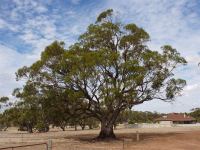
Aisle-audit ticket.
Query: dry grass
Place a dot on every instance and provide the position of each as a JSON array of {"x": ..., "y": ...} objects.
[{"x": 177, "y": 138}]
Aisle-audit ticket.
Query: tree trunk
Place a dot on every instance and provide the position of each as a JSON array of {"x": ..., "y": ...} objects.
[
  {"x": 115, "y": 126},
  {"x": 30, "y": 129},
  {"x": 106, "y": 131},
  {"x": 5, "y": 128},
  {"x": 75, "y": 127},
  {"x": 90, "y": 126},
  {"x": 107, "y": 124},
  {"x": 62, "y": 127},
  {"x": 82, "y": 127}
]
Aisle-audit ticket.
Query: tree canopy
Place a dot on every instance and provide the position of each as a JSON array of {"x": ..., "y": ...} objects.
[
  {"x": 195, "y": 113},
  {"x": 108, "y": 70}
]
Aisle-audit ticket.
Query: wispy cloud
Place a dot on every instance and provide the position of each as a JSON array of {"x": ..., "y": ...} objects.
[
  {"x": 10, "y": 60},
  {"x": 75, "y": 2}
]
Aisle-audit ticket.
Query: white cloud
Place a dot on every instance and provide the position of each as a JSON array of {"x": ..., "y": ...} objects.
[
  {"x": 75, "y": 2},
  {"x": 41, "y": 9},
  {"x": 192, "y": 87},
  {"x": 39, "y": 32},
  {"x": 2, "y": 23},
  {"x": 25, "y": 5},
  {"x": 194, "y": 59},
  {"x": 11, "y": 60}
]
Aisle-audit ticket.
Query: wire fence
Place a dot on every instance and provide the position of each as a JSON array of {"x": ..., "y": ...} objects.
[
  {"x": 24, "y": 141},
  {"x": 63, "y": 144},
  {"x": 28, "y": 146}
]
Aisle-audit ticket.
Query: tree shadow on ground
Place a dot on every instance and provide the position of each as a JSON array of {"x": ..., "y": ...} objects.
[{"x": 120, "y": 137}]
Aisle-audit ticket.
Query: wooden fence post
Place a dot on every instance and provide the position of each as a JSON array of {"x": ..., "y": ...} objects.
[
  {"x": 123, "y": 143},
  {"x": 22, "y": 137},
  {"x": 137, "y": 136},
  {"x": 49, "y": 145}
]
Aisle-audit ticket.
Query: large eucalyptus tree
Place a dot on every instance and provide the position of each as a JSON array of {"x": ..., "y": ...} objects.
[{"x": 108, "y": 70}]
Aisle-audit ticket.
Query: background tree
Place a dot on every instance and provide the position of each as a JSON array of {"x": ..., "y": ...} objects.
[
  {"x": 196, "y": 114},
  {"x": 90, "y": 122},
  {"x": 142, "y": 117},
  {"x": 4, "y": 102},
  {"x": 31, "y": 111},
  {"x": 4, "y": 121},
  {"x": 131, "y": 117},
  {"x": 107, "y": 71}
]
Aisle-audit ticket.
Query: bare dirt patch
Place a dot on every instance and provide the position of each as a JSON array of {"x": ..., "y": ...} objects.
[{"x": 177, "y": 138}]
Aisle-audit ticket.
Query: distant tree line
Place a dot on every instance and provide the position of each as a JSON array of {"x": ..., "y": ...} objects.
[
  {"x": 32, "y": 117},
  {"x": 133, "y": 117},
  {"x": 195, "y": 112}
]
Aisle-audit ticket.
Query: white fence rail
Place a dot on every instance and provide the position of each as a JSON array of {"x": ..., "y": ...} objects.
[
  {"x": 157, "y": 125},
  {"x": 187, "y": 125}
]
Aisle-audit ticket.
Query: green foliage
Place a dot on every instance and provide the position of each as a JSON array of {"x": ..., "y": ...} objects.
[
  {"x": 4, "y": 102},
  {"x": 142, "y": 117},
  {"x": 104, "y": 15},
  {"x": 133, "y": 117},
  {"x": 87, "y": 121},
  {"x": 196, "y": 114},
  {"x": 8, "y": 118},
  {"x": 42, "y": 126},
  {"x": 4, "y": 99}
]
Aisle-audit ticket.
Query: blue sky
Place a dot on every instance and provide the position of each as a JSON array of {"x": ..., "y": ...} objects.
[{"x": 27, "y": 26}]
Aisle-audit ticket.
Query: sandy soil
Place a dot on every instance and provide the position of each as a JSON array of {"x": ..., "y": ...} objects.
[{"x": 176, "y": 138}]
